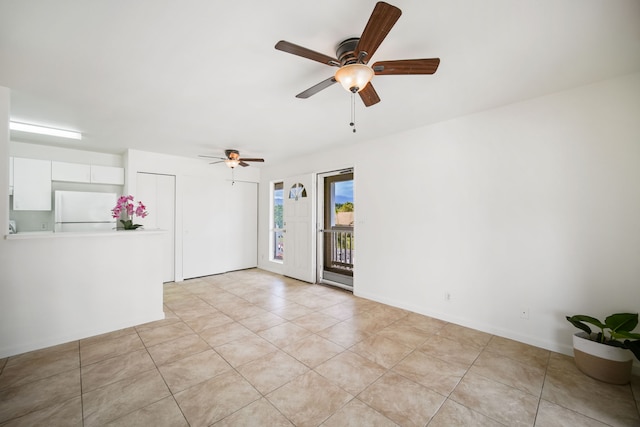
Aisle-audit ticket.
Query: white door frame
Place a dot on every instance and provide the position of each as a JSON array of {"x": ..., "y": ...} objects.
[{"x": 161, "y": 204}]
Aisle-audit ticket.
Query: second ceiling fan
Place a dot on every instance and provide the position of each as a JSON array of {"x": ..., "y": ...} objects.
[
  {"x": 353, "y": 54},
  {"x": 232, "y": 159}
]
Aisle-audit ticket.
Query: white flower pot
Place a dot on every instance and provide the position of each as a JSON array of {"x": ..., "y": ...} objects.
[{"x": 602, "y": 362}]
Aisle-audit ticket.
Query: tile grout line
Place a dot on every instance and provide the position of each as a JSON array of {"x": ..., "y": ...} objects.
[
  {"x": 81, "y": 390},
  {"x": 544, "y": 380}
]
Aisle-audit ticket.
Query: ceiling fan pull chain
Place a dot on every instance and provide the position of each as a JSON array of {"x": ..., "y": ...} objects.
[{"x": 353, "y": 111}]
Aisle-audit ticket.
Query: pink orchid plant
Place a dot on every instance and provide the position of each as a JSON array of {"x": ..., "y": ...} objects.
[{"x": 127, "y": 207}]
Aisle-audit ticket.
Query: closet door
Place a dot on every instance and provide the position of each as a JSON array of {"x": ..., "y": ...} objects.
[
  {"x": 220, "y": 226},
  {"x": 158, "y": 193},
  {"x": 203, "y": 227},
  {"x": 242, "y": 205}
]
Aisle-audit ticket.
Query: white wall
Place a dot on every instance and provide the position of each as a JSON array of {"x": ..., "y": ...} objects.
[
  {"x": 60, "y": 288},
  {"x": 534, "y": 206},
  {"x": 48, "y": 152}
]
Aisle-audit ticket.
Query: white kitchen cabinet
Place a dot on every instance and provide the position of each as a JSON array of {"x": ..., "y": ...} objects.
[
  {"x": 11, "y": 176},
  {"x": 107, "y": 175},
  {"x": 31, "y": 184},
  {"x": 70, "y": 172}
]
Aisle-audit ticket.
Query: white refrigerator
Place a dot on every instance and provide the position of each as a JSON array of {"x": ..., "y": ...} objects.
[{"x": 84, "y": 211}]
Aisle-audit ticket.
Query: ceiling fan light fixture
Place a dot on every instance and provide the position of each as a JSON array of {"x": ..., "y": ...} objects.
[
  {"x": 232, "y": 163},
  {"x": 354, "y": 77}
]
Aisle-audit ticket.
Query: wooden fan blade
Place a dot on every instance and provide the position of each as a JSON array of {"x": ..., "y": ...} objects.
[
  {"x": 294, "y": 49},
  {"x": 316, "y": 88},
  {"x": 383, "y": 18},
  {"x": 244, "y": 159},
  {"x": 369, "y": 95},
  {"x": 406, "y": 66},
  {"x": 243, "y": 164}
]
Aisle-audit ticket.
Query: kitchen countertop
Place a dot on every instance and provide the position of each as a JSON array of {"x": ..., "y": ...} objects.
[{"x": 67, "y": 234}]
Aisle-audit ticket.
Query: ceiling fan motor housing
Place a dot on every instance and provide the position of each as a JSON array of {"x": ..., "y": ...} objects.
[
  {"x": 346, "y": 51},
  {"x": 232, "y": 154}
]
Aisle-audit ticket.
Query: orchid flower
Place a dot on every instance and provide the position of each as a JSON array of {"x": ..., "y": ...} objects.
[{"x": 127, "y": 205}]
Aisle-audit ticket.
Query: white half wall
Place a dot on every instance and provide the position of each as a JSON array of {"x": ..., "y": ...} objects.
[
  {"x": 530, "y": 207},
  {"x": 62, "y": 287}
]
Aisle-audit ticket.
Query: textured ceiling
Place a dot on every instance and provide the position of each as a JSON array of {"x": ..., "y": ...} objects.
[{"x": 194, "y": 77}]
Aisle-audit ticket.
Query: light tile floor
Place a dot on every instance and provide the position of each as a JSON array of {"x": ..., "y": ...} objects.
[{"x": 251, "y": 348}]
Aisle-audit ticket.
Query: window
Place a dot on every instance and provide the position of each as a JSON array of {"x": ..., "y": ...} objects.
[
  {"x": 277, "y": 222},
  {"x": 297, "y": 190}
]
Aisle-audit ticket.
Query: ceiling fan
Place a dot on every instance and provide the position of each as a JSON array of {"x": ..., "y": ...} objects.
[
  {"x": 353, "y": 54},
  {"x": 232, "y": 159}
]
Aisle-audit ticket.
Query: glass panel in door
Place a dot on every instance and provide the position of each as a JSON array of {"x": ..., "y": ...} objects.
[{"x": 338, "y": 234}]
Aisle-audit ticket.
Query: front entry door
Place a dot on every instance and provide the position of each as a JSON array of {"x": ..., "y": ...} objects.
[{"x": 298, "y": 231}]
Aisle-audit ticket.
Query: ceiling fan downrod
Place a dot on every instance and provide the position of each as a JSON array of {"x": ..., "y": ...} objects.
[{"x": 353, "y": 111}]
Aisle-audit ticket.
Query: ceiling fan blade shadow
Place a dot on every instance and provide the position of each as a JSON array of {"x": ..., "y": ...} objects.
[
  {"x": 294, "y": 49},
  {"x": 211, "y": 157},
  {"x": 406, "y": 66},
  {"x": 215, "y": 163},
  {"x": 316, "y": 88},
  {"x": 369, "y": 95},
  {"x": 383, "y": 18}
]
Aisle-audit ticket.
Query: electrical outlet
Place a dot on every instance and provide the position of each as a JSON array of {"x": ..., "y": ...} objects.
[
  {"x": 43, "y": 226},
  {"x": 524, "y": 313}
]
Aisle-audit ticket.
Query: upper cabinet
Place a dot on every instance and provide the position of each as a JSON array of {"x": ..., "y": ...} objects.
[
  {"x": 94, "y": 174},
  {"x": 107, "y": 175},
  {"x": 30, "y": 180},
  {"x": 70, "y": 172},
  {"x": 31, "y": 184}
]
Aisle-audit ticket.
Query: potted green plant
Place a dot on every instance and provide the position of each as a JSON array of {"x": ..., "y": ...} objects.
[{"x": 606, "y": 355}]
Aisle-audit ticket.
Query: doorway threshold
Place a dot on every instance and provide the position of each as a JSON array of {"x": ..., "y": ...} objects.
[{"x": 347, "y": 287}]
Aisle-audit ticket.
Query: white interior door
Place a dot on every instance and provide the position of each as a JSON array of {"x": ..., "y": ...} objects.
[
  {"x": 241, "y": 225},
  {"x": 299, "y": 234},
  {"x": 203, "y": 227},
  {"x": 158, "y": 193},
  {"x": 220, "y": 226}
]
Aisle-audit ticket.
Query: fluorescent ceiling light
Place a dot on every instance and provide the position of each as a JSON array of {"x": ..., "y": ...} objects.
[{"x": 23, "y": 127}]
